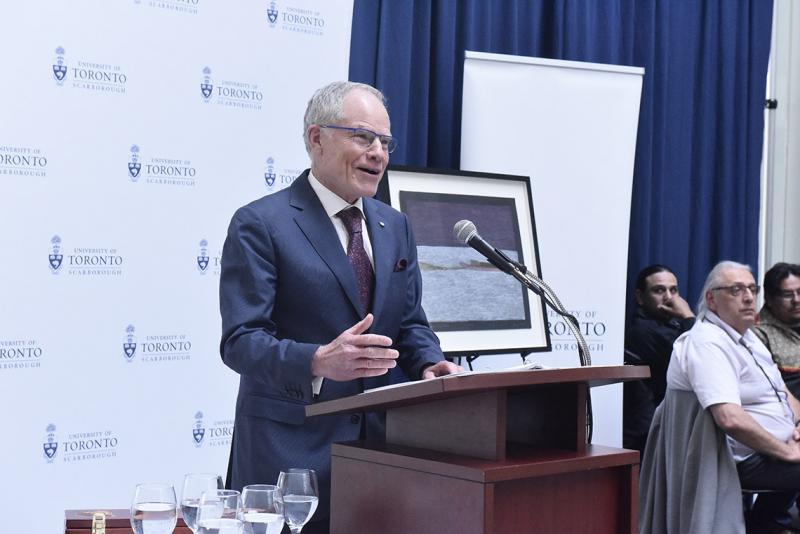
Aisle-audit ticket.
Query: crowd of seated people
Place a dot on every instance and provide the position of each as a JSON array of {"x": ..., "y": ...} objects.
[{"x": 742, "y": 367}]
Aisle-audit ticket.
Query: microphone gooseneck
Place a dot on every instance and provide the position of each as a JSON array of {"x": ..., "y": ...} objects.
[{"x": 466, "y": 232}]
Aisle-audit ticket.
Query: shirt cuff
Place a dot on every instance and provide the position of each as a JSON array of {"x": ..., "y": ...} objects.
[{"x": 316, "y": 385}]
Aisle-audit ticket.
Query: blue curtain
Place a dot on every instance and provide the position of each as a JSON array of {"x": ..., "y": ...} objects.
[{"x": 696, "y": 177}]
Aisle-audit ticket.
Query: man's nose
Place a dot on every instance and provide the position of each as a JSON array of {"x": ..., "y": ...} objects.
[{"x": 375, "y": 150}]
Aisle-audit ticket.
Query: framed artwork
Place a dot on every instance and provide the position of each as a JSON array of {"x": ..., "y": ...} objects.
[{"x": 472, "y": 306}]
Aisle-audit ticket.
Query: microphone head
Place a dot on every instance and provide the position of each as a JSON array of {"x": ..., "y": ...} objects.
[{"x": 464, "y": 230}]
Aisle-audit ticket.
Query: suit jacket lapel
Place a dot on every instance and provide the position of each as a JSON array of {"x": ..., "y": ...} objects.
[
  {"x": 318, "y": 229},
  {"x": 379, "y": 236}
]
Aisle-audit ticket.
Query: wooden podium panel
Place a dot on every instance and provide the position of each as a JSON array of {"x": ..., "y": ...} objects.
[
  {"x": 476, "y": 414},
  {"x": 396, "y": 490},
  {"x": 425, "y": 391}
]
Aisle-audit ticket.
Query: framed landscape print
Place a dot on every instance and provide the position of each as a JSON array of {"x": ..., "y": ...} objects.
[{"x": 472, "y": 306}]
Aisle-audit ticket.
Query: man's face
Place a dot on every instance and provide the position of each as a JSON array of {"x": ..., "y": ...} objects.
[
  {"x": 786, "y": 304},
  {"x": 338, "y": 162},
  {"x": 738, "y": 311},
  {"x": 659, "y": 290}
]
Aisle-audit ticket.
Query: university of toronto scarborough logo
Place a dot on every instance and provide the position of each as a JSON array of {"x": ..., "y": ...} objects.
[
  {"x": 55, "y": 257},
  {"x": 134, "y": 166},
  {"x": 198, "y": 432},
  {"x": 207, "y": 86},
  {"x": 59, "y": 66},
  {"x": 269, "y": 175},
  {"x": 129, "y": 346},
  {"x": 202, "y": 256},
  {"x": 50, "y": 445},
  {"x": 272, "y": 13}
]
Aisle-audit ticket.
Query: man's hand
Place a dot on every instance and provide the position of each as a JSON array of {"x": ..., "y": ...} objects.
[
  {"x": 354, "y": 354},
  {"x": 793, "y": 451},
  {"x": 440, "y": 369},
  {"x": 676, "y": 307}
]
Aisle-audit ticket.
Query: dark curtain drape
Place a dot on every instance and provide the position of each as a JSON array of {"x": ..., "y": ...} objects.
[{"x": 696, "y": 178}]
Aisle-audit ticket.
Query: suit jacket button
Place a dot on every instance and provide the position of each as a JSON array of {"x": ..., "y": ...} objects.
[{"x": 355, "y": 419}]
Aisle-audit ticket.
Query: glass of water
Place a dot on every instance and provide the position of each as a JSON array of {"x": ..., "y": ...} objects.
[
  {"x": 154, "y": 509},
  {"x": 263, "y": 509},
  {"x": 220, "y": 512},
  {"x": 194, "y": 485},
  {"x": 300, "y": 497}
]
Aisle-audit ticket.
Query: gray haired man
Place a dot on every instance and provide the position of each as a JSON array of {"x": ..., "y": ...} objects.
[{"x": 733, "y": 375}]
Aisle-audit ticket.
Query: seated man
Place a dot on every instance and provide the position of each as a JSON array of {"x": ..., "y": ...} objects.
[
  {"x": 779, "y": 321},
  {"x": 661, "y": 316},
  {"x": 734, "y": 377}
]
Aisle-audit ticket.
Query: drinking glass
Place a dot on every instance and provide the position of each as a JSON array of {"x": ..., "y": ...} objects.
[
  {"x": 154, "y": 509},
  {"x": 220, "y": 512},
  {"x": 262, "y": 509},
  {"x": 300, "y": 497},
  {"x": 194, "y": 484}
]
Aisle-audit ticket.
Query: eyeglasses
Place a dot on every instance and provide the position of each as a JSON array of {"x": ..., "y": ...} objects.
[
  {"x": 364, "y": 138},
  {"x": 737, "y": 289},
  {"x": 789, "y": 294}
]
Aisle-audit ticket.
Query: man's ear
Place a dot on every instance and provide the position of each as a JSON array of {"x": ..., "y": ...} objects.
[
  {"x": 638, "y": 294},
  {"x": 314, "y": 133},
  {"x": 711, "y": 301}
]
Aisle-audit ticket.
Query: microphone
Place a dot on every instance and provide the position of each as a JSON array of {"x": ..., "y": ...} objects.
[{"x": 466, "y": 232}]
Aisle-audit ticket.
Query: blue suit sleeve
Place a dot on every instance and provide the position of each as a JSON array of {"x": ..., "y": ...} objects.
[
  {"x": 248, "y": 283},
  {"x": 416, "y": 342}
]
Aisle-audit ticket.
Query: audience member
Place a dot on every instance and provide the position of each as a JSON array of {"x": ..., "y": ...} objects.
[
  {"x": 661, "y": 316},
  {"x": 732, "y": 373},
  {"x": 779, "y": 321}
]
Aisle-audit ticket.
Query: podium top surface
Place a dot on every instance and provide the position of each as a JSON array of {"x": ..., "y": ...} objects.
[{"x": 422, "y": 391}]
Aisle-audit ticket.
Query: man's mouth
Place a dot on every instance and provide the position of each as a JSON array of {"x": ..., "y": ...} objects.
[{"x": 370, "y": 170}]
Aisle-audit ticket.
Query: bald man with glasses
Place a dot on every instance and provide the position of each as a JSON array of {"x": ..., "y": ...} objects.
[{"x": 732, "y": 373}]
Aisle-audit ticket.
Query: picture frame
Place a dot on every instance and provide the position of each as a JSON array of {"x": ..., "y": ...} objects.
[{"x": 472, "y": 306}]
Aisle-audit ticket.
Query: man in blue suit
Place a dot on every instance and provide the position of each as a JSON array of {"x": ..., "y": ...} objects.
[{"x": 320, "y": 297}]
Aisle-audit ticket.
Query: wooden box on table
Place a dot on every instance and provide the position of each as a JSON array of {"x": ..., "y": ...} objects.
[{"x": 117, "y": 521}]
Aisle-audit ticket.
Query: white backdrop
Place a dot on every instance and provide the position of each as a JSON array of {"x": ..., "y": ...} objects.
[
  {"x": 571, "y": 127},
  {"x": 129, "y": 133}
]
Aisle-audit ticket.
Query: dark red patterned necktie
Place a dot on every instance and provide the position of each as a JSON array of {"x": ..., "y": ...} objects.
[{"x": 365, "y": 278}]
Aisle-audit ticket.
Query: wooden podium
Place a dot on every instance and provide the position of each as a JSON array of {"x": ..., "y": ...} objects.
[{"x": 494, "y": 453}]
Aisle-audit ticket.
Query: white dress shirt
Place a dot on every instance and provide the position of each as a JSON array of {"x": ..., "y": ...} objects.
[
  {"x": 720, "y": 365},
  {"x": 333, "y": 204}
]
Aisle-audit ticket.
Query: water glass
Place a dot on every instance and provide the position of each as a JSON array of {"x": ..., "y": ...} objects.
[
  {"x": 300, "y": 497},
  {"x": 194, "y": 485},
  {"x": 262, "y": 509},
  {"x": 220, "y": 512},
  {"x": 154, "y": 509}
]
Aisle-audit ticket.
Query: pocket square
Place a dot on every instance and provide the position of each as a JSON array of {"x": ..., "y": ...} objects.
[{"x": 401, "y": 265}]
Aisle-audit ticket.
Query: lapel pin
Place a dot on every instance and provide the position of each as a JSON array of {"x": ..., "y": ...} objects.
[{"x": 381, "y": 223}]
